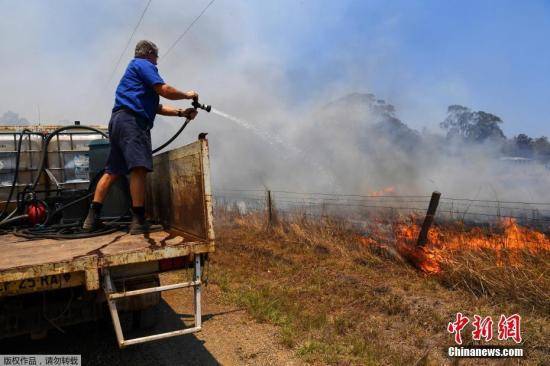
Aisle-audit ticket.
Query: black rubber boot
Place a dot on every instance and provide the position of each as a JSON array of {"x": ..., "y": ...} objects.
[
  {"x": 92, "y": 221},
  {"x": 142, "y": 226}
]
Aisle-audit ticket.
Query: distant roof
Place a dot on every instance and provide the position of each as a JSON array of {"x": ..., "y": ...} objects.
[
  {"x": 514, "y": 158},
  {"x": 43, "y": 128}
]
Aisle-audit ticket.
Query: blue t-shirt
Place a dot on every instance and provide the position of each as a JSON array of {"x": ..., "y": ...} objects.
[{"x": 135, "y": 90}]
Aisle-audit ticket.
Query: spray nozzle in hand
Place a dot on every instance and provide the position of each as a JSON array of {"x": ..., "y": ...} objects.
[{"x": 197, "y": 105}]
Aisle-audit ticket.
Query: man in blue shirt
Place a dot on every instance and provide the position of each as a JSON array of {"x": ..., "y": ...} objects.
[{"x": 136, "y": 105}]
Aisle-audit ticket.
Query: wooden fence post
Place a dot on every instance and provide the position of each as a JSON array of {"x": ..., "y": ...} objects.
[
  {"x": 269, "y": 208},
  {"x": 428, "y": 220}
]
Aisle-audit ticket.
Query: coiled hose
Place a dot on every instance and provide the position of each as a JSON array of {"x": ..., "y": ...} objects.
[{"x": 67, "y": 231}]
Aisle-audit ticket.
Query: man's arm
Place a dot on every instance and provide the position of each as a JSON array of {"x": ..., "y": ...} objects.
[
  {"x": 169, "y": 92},
  {"x": 167, "y": 110}
]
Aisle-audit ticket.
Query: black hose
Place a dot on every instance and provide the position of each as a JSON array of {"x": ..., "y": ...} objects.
[
  {"x": 47, "y": 142},
  {"x": 173, "y": 137},
  {"x": 64, "y": 231},
  {"x": 74, "y": 232},
  {"x": 96, "y": 178},
  {"x": 91, "y": 191},
  {"x": 42, "y": 161},
  {"x": 14, "y": 219},
  {"x": 69, "y": 231},
  {"x": 16, "y": 174},
  {"x": 67, "y": 205}
]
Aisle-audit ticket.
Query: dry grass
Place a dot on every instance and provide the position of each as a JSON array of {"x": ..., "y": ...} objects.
[
  {"x": 526, "y": 285},
  {"x": 340, "y": 300},
  {"x": 503, "y": 262}
]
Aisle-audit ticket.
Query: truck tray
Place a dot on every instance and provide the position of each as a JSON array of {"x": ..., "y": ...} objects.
[{"x": 34, "y": 265}]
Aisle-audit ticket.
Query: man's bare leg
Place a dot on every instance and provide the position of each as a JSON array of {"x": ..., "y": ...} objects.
[
  {"x": 137, "y": 186},
  {"x": 103, "y": 186}
]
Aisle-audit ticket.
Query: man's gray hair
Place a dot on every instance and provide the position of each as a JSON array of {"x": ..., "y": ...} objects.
[{"x": 146, "y": 48}]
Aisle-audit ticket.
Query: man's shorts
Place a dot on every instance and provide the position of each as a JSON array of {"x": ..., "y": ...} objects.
[{"x": 130, "y": 144}]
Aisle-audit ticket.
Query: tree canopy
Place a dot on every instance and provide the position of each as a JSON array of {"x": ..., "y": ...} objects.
[{"x": 470, "y": 126}]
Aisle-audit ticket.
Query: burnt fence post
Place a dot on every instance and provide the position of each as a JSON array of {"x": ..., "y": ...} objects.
[
  {"x": 269, "y": 208},
  {"x": 428, "y": 220}
]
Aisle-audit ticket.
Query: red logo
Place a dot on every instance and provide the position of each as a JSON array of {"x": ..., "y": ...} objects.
[
  {"x": 483, "y": 328},
  {"x": 508, "y": 327},
  {"x": 457, "y": 326}
]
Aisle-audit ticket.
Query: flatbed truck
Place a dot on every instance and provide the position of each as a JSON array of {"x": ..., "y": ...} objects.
[{"x": 77, "y": 278}]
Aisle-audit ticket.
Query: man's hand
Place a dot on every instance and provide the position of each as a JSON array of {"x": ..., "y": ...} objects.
[
  {"x": 191, "y": 94},
  {"x": 190, "y": 113},
  {"x": 167, "y": 110}
]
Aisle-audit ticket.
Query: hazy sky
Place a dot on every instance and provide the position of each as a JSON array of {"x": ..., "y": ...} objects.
[{"x": 420, "y": 56}]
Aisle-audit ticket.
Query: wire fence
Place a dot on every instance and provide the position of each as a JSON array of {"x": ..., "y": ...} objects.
[
  {"x": 355, "y": 207},
  {"x": 461, "y": 223}
]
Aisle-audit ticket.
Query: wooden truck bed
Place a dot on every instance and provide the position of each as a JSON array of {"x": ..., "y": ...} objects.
[
  {"x": 32, "y": 265},
  {"x": 179, "y": 196}
]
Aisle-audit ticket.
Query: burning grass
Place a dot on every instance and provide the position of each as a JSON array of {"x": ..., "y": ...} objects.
[
  {"x": 343, "y": 296},
  {"x": 503, "y": 262}
]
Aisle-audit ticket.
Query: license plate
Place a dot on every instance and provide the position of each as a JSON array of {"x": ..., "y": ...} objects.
[{"x": 43, "y": 283}]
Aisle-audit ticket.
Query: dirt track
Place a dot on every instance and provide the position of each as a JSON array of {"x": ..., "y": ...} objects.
[{"x": 229, "y": 337}]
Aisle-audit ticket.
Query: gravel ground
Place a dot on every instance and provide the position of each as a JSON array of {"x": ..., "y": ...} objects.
[{"x": 229, "y": 337}]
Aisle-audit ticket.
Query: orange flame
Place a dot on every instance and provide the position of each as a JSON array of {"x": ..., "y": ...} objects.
[
  {"x": 507, "y": 241},
  {"x": 383, "y": 191}
]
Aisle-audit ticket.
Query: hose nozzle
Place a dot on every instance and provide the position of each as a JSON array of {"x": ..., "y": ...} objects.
[{"x": 196, "y": 105}]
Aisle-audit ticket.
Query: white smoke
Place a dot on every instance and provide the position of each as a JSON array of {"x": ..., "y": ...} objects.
[{"x": 59, "y": 56}]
